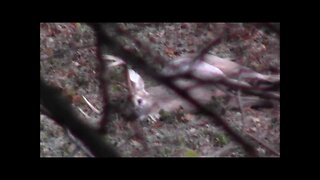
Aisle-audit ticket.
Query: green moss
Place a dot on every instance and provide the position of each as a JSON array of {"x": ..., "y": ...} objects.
[
  {"x": 167, "y": 116},
  {"x": 221, "y": 139},
  {"x": 191, "y": 153},
  {"x": 179, "y": 141},
  {"x": 166, "y": 151},
  {"x": 216, "y": 105},
  {"x": 116, "y": 88}
]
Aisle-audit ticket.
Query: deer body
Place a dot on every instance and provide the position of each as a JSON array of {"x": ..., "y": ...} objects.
[{"x": 145, "y": 102}]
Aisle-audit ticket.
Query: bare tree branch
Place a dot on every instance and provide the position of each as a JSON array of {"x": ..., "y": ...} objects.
[
  {"x": 77, "y": 143},
  {"x": 241, "y": 110},
  {"x": 206, "y": 49},
  {"x": 102, "y": 71},
  {"x": 63, "y": 114}
]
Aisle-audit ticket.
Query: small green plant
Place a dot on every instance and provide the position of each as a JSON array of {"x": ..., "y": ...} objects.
[
  {"x": 221, "y": 139},
  {"x": 191, "y": 153},
  {"x": 166, "y": 151},
  {"x": 216, "y": 105},
  {"x": 167, "y": 116},
  {"x": 178, "y": 140}
]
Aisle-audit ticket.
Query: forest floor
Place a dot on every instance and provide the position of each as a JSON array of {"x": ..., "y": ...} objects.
[{"x": 68, "y": 61}]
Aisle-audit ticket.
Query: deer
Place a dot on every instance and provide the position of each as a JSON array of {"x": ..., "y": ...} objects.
[{"x": 146, "y": 103}]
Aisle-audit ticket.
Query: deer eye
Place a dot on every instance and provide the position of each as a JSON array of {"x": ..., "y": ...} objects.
[{"x": 139, "y": 101}]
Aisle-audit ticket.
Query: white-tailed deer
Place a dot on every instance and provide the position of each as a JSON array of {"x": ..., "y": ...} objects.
[{"x": 147, "y": 102}]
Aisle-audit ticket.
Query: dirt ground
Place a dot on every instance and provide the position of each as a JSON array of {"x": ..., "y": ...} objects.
[{"x": 67, "y": 58}]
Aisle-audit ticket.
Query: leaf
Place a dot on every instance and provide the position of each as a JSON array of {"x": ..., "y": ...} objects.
[
  {"x": 77, "y": 99},
  {"x": 191, "y": 153},
  {"x": 170, "y": 52},
  {"x": 157, "y": 125},
  {"x": 48, "y": 52},
  {"x": 71, "y": 73},
  {"x": 152, "y": 39}
]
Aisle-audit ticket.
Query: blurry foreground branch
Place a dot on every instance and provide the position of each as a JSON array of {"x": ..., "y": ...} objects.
[{"x": 63, "y": 114}]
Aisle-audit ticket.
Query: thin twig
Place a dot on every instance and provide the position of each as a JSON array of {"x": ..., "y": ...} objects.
[
  {"x": 91, "y": 106},
  {"x": 206, "y": 49},
  {"x": 143, "y": 48},
  {"x": 85, "y": 114},
  {"x": 241, "y": 107},
  {"x": 241, "y": 110}
]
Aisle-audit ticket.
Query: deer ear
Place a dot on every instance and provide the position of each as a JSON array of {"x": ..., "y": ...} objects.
[
  {"x": 136, "y": 80},
  {"x": 115, "y": 61}
]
